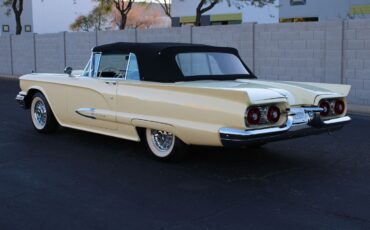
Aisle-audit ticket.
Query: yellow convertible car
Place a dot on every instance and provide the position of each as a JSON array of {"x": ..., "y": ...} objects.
[{"x": 170, "y": 95}]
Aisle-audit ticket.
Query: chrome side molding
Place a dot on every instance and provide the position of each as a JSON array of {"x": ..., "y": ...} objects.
[
  {"x": 87, "y": 112},
  {"x": 97, "y": 114}
]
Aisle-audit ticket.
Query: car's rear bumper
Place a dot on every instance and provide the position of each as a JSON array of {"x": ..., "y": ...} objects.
[
  {"x": 20, "y": 98},
  {"x": 235, "y": 137}
]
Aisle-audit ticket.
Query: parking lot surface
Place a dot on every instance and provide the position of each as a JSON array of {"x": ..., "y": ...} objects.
[{"x": 78, "y": 180}]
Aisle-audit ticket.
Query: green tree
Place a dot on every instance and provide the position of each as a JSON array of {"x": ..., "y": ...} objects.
[
  {"x": 207, "y": 5},
  {"x": 17, "y": 7},
  {"x": 94, "y": 20},
  {"x": 99, "y": 16},
  {"x": 82, "y": 23}
]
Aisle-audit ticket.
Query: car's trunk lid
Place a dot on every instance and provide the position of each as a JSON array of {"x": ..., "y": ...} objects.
[{"x": 260, "y": 91}]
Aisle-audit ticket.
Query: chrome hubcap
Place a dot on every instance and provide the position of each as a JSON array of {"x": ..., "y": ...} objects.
[
  {"x": 162, "y": 140},
  {"x": 40, "y": 114}
]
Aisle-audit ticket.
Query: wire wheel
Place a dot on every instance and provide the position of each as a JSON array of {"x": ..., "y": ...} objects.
[
  {"x": 161, "y": 143},
  {"x": 39, "y": 113},
  {"x": 42, "y": 117}
]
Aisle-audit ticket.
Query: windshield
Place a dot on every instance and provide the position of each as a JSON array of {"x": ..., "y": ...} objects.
[
  {"x": 210, "y": 64},
  {"x": 111, "y": 65}
]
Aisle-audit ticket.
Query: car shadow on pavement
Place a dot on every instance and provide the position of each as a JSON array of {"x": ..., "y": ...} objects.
[{"x": 230, "y": 164}]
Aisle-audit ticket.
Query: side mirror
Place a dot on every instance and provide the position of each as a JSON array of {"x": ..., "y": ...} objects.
[{"x": 68, "y": 70}]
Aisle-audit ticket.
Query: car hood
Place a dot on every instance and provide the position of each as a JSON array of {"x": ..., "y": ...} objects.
[{"x": 259, "y": 91}]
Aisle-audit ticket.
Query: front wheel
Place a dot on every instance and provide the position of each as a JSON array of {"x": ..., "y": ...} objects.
[
  {"x": 164, "y": 145},
  {"x": 42, "y": 117}
]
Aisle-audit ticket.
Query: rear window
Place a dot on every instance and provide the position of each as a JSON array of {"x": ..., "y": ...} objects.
[{"x": 210, "y": 64}]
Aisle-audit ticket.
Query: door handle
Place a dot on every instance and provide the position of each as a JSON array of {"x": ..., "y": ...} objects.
[{"x": 111, "y": 83}]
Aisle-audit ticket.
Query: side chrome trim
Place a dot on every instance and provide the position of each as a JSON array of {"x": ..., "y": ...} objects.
[{"x": 87, "y": 112}]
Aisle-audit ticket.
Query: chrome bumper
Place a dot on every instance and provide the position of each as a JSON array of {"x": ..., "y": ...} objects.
[
  {"x": 20, "y": 98},
  {"x": 236, "y": 137}
]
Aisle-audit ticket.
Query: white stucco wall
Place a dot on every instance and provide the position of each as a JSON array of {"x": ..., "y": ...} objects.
[
  {"x": 323, "y": 9},
  {"x": 10, "y": 20},
  {"x": 267, "y": 14}
]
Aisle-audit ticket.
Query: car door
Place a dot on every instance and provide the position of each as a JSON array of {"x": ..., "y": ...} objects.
[
  {"x": 129, "y": 93},
  {"x": 92, "y": 96}
]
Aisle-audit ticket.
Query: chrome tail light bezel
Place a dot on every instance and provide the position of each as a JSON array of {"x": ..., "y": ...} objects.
[
  {"x": 337, "y": 107},
  {"x": 325, "y": 105},
  {"x": 250, "y": 115},
  {"x": 273, "y": 114},
  {"x": 264, "y": 119}
]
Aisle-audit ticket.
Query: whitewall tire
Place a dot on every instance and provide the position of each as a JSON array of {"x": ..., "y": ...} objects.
[
  {"x": 42, "y": 117},
  {"x": 164, "y": 145}
]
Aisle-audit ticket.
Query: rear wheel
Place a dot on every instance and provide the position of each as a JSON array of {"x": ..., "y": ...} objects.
[
  {"x": 42, "y": 117},
  {"x": 164, "y": 145}
]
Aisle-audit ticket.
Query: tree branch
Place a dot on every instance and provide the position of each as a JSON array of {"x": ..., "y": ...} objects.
[
  {"x": 14, "y": 6},
  {"x": 129, "y": 5},
  {"x": 200, "y": 5},
  {"x": 213, "y": 3},
  {"x": 165, "y": 6},
  {"x": 118, "y": 5},
  {"x": 20, "y": 6}
]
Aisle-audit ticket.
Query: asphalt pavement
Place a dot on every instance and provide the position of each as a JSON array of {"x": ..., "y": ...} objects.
[{"x": 78, "y": 180}]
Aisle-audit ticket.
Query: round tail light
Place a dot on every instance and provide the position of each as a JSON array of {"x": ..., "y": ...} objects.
[
  {"x": 253, "y": 116},
  {"x": 339, "y": 107},
  {"x": 273, "y": 114},
  {"x": 326, "y": 106}
]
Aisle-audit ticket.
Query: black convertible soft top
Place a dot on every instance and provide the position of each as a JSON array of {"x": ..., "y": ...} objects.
[{"x": 157, "y": 61}]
